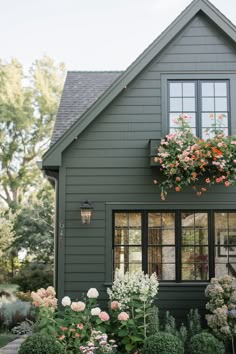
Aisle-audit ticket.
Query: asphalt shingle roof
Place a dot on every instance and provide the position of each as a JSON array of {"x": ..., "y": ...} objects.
[{"x": 80, "y": 91}]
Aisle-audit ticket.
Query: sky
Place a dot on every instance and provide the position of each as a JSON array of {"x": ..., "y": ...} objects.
[{"x": 87, "y": 34}]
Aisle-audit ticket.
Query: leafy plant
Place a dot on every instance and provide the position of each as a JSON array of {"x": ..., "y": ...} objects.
[
  {"x": 154, "y": 322},
  {"x": 25, "y": 327},
  {"x": 170, "y": 324},
  {"x": 184, "y": 159},
  {"x": 134, "y": 293},
  {"x": 34, "y": 275},
  {"x": 194, "y": 322},
  {"x": 163, "y": 343},
  {"x": 40, "y": 344},
  {"x": 221, "y": 295},
  {"x": 206, "y": 343}
]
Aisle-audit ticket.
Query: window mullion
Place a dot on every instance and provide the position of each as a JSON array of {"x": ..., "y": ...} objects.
[
  {"x": 211, "y": 246},
  {"x": 178, "y": 245},
  {"x": 145, "y": 241}
]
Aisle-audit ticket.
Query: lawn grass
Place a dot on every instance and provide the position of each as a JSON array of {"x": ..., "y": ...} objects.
[{"x": 6, "y": 338}]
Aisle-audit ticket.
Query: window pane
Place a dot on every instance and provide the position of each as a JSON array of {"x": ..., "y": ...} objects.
[
  {"x": 172, "y": 118},
  {"x": 175, "y": 89},
  {"x": 208, "y": 104},
  {"x": 125, "y": 257},
  {"x": 188, "y": 104},
  {"x": 176, "y": 104},
  {"x": 188, "y": 89},
  {"x": 207, "y": 89},
  {"x": 208, "y": 119},
  {"x": 222, "y": 119},
  {"x": 221, "y": 104},
  {"x": 220, "y": 89},
  {"x": 191, "y": 120},
  {"x": 121, "y": 219},
  {"x": 162, "y": 261}
]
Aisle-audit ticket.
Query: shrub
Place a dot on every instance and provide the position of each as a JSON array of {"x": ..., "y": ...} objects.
[
  {"x": 206, "y": 343},
  {"x": 163, "y": 343},
  {"x": 25, "y": 327},
  {"x": 24, "y": 296},
  {"x": 194, "y": 322},
  {"x": 40, "y": 344},
  {"x": 13, "y": 313},
  {"x": 34, "y": 276}
]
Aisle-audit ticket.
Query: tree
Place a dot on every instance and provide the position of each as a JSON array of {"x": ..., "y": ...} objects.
[
  {"x": 28, "y": 105},
  {"x": 34, "y": 226}
]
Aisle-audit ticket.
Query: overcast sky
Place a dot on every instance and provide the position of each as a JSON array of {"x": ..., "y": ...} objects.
[{"x": 88, "y": 34}]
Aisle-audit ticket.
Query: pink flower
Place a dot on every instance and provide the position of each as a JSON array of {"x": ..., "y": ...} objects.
[
  {"x": 104, "y": 316},
  {"x": 63, "y": 328},
  {"x": 208, "y": 180},
  {"x": 199, "y": 194},
  {"x": 227, "y": 184},
  {"x": 78, "y": 306},
  {"x": 123, "y": 316},
  {"x": 80, "y": 326},
  {"x": 114, "y": 305},
  {"x": 178, "y": 179},
  {"x": 42, "y": 292},
  {"x": 72, "y": 330},
  {"x": 155, "y": 159},
  {"x": 177, "y": 189},
  {"x": 203, "y": 189},
  {"x": 218, "y": 180},
  {"x": 62, "y": 337},
  {"x": 50, "y": 291},
  {"x": 155, "y": 181},
  {"x": 77, "y": 334}
]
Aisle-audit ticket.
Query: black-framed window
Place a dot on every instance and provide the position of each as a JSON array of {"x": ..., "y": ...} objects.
[
  {"x": 205, "y": 101},
  {"x": 177, "y": 245}
]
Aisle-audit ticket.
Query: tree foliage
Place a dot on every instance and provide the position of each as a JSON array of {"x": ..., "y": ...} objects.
[{"x": 28, "y": 105}]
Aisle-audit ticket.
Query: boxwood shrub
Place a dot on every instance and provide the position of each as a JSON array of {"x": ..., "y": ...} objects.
[
  {"x": 40, "y": 344},
  {"x": 205, "y": 343},
  {"x": 163, "y": 343}
]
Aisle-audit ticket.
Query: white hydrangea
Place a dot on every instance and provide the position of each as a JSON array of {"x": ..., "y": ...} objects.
[
  {"x": 66, "y": 301},
  {"x": 133, "y": 284},
  {"x": 95, "y": 311}
]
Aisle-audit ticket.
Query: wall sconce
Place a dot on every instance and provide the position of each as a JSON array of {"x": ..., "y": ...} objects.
[{"x": 86, "y": 212}]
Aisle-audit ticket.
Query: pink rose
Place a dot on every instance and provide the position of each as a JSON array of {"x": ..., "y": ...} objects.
[
  {"x": 114, "y": 305},
  {"x": 104, "y": 316},
  {"x": 80, "y": 326},
  {"x": 227, "y": 184},
  {"x": 78, "y": 306},
  {"x": 123, "y": 316}
]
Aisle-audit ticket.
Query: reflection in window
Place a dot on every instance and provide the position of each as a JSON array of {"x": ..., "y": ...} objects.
[
  {"x": 225, "y": 244},
  {"x": 194, "y": 247},
  {"x": 161, "y": 245},
  {"x": 128, "y": 242}
]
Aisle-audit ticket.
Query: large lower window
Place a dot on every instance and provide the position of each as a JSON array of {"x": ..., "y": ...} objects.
[
  {"x": 178, "y": 246},
  {"x": 206, "y": 102}
]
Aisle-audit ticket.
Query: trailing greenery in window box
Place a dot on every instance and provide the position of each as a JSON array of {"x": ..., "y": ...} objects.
[{"x": 186, "y": 160}]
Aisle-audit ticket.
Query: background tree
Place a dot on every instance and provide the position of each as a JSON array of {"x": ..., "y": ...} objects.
[{"x": 28, "y": 106}]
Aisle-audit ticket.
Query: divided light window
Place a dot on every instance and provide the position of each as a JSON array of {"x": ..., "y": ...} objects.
[
  {"x": 206, "y": 102},
  {"x": 178, "y": 246}
]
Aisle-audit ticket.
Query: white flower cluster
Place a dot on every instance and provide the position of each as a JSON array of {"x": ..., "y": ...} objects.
[{"x": 133, "y": 285}]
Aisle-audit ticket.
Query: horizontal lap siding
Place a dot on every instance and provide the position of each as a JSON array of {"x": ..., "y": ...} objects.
[{"x": 109, "y": 162}]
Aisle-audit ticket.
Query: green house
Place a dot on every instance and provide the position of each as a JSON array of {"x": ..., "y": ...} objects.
[{"x": 108, "y": 127}]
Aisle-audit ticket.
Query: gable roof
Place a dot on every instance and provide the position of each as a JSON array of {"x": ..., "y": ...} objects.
[
  {"x": 52, "y": 158},
  {"x": 81, "y": 90}
]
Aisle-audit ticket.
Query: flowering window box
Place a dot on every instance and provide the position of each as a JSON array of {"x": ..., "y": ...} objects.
[{"x": 185, "y": 160}]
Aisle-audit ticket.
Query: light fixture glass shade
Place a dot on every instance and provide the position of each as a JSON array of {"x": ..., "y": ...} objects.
[{"x": 86, "y": 212}]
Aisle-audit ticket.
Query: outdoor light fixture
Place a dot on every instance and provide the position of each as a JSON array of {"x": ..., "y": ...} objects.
[{"x": 86, "y": 212}]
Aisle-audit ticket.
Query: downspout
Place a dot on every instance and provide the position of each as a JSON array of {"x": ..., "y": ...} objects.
[{"x": 53, "y": 177}]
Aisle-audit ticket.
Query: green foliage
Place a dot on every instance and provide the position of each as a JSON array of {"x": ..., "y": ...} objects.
[
  {"x": 194, "y": 322},
  {"x": 14, "y": 312},
  {"x": 163, "y": 343},
  {"x": 154, "y": 322},
  {"x": 27, "y": 113},
  {"x": 170, "y": 324},
  {"x": 206, "y": 343},
  {"x": 40, "y": 344},
  {"x": 33, "y": 276},
  {"x": 34, "y": 225},
  {"x": 25, "y": 327}
]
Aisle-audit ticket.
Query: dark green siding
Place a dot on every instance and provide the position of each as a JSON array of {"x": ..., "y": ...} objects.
[{"x": 109, "y": 164}]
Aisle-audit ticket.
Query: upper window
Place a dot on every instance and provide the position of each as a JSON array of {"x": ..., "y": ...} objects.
[
  {"x": 178, "y": 246},
  {"x": 206, "y": 102}
]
